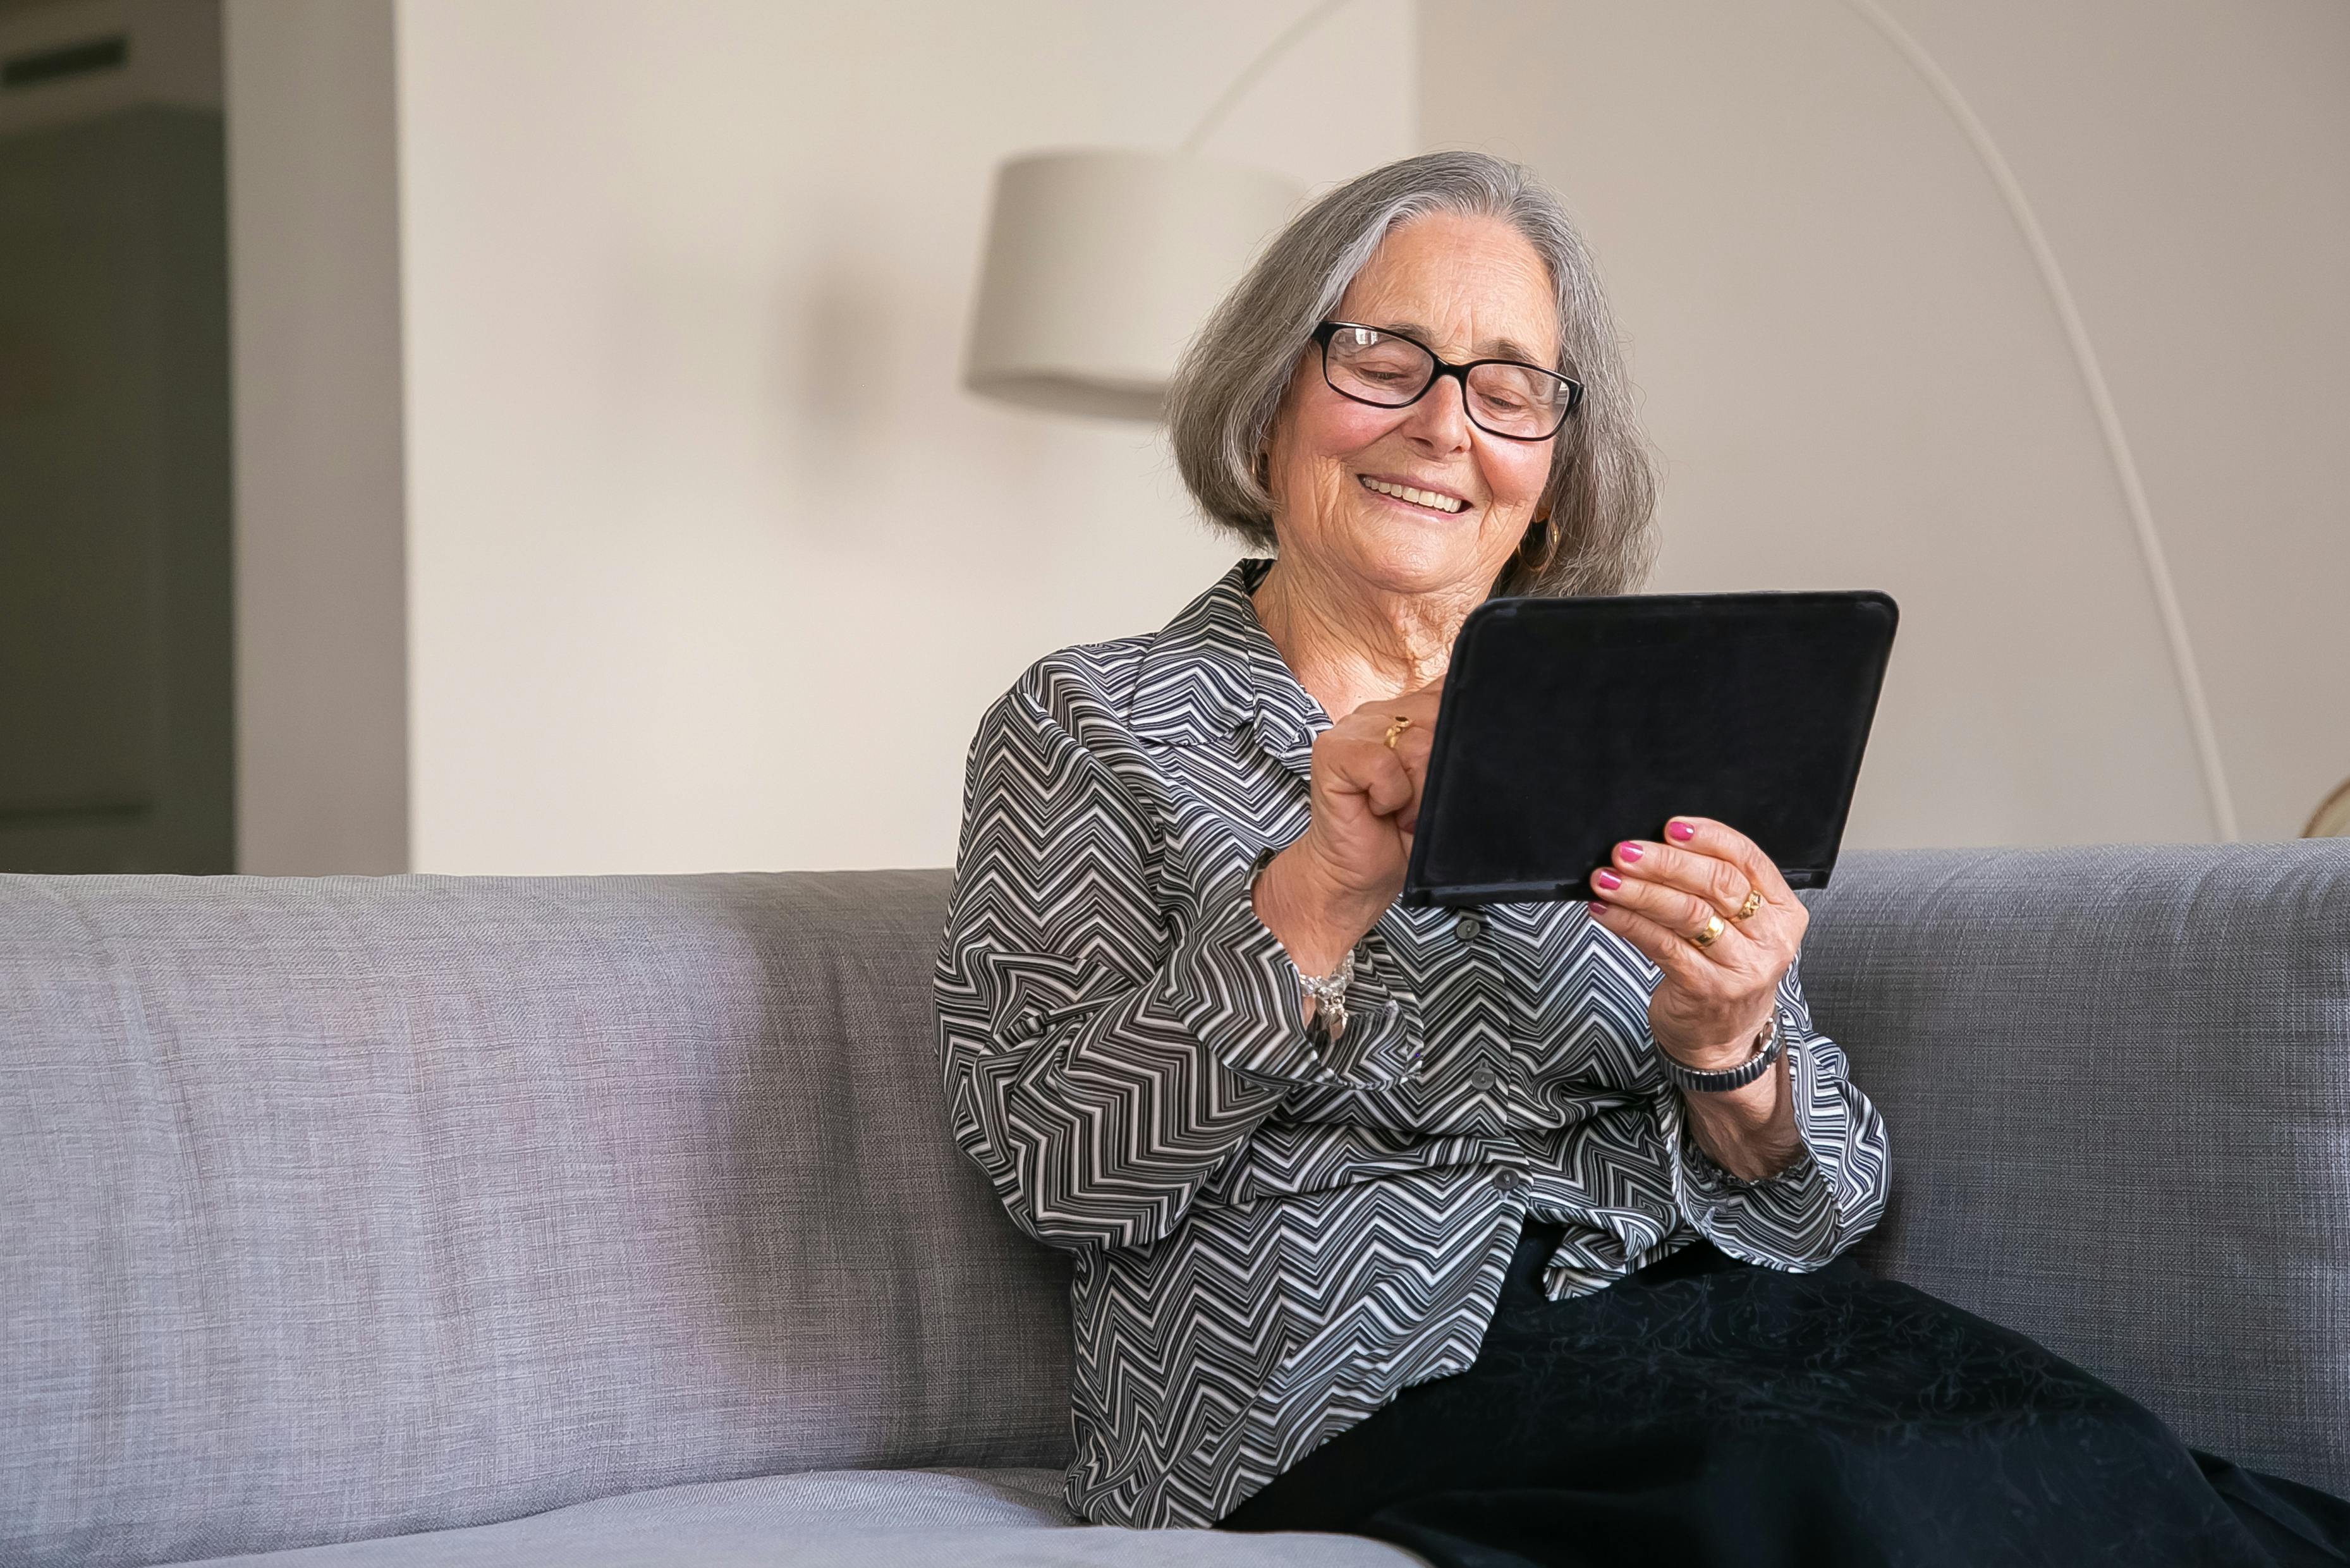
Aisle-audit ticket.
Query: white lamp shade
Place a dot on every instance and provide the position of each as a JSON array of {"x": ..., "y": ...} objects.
[{"x": 1100, "y": 266}]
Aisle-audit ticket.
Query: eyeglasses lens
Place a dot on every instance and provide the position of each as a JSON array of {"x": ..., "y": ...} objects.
[
  {"x": 1515, "y": 400},
  {"x": 1377, "y": 368},
  {"x": 1508, "y": 399}
]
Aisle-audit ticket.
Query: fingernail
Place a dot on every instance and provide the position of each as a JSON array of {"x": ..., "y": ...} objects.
[
  {"x": 1597, "y": 911},
  {"x": 1607, "y": 880},
  {"x": 1629, "y": 851},
  {"x": 1681, "y": 831}
]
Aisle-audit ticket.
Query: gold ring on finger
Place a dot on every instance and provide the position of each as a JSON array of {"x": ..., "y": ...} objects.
[
  {"x": 1712, "y": 931},
  {"x": 1753, "y": 902},
  {"x": 1398, "y": 728}
]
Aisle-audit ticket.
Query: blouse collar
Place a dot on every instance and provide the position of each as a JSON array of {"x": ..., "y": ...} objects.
[{"x": 1213, "y": 670}]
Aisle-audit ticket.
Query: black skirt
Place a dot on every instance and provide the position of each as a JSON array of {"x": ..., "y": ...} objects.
[{"x": 1711, "y": 1413}]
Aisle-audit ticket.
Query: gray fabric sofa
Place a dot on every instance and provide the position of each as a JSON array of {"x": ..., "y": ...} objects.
[{"x": 612, "y": 1220}]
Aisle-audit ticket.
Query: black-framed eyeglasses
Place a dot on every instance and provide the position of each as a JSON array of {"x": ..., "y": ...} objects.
[{"x": 1507, "y": 398}]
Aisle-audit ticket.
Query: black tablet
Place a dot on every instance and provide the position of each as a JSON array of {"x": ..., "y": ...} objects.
[{"x": 1569, "y": 725}]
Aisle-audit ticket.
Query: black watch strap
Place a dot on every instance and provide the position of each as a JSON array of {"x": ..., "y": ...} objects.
[{"x": 1692, "y": 1081}]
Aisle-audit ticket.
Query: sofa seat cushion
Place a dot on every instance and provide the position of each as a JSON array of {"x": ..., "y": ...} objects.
[{"x": 833, "y": 1519}]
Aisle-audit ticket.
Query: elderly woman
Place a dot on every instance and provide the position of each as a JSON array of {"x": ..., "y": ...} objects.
[{"x": 1515, "y": 1235}]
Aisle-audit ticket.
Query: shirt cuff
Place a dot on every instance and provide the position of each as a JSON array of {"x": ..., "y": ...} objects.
[
  {"x": 1784, "y": 1220},
  {"x": 1233, "y": 987}
]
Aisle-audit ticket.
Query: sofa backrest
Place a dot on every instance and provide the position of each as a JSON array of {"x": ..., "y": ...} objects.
[
  {"x": 347, "y": 1207},
  {"x": 2117, "y": 1085}
]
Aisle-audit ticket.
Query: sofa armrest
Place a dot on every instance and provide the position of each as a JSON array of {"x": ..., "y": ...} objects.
[{"x": 2117, "y": 1083}]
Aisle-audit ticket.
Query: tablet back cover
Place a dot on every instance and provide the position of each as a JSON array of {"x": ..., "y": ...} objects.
[{"x": 1568, "y": 725}]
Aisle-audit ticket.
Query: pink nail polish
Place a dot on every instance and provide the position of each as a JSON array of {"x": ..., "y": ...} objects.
[
  {"x": 1681, "y": 831},
  {"x": 1607, "y": 880},
  {"x": 1597, "y": 911},
  {"x": 1629, "y": 851}
]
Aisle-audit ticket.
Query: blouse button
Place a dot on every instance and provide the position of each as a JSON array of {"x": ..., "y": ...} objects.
[
  {"x": 1509, "y": 1178},
  {"x": 1483, "y": 1078},
  {"x": 1470, "y": 926}
]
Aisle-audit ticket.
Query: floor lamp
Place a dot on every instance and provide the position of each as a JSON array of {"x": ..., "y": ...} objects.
[{"x": 1100, "y": 264}]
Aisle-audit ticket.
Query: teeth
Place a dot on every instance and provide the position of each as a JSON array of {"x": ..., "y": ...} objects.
[{"x": 1427, "y": 498}]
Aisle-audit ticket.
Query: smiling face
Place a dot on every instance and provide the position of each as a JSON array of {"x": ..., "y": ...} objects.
[{"x": 1418, "y": 499}]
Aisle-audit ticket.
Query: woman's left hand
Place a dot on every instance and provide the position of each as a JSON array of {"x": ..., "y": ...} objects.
[{"x": 1713, "y": 1000}]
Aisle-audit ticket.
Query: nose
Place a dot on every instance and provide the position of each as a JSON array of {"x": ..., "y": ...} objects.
[{"x": 1439, "y": 422}]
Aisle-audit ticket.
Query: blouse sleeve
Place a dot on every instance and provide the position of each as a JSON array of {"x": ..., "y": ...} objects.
[
  {"x": 1832, "y": 1195},
  {"x": 1105, "y": 1045}
]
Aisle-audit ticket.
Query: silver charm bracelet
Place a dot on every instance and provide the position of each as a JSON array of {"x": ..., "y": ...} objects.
[
  {"x": 1329, "y": 995},
  {"x": 1328, "y": 991}
]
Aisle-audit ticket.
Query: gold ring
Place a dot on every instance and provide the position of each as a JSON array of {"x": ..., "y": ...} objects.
[
  {"x": 1398, "y": 728},
  {"x": 1711, "y": 933},
  {"x": 1753, "y": 902}
]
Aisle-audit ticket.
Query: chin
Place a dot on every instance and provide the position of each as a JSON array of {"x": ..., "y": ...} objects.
[
  {"x": 1419, "y": 560},
  {"x": 1420, "y": 569}
]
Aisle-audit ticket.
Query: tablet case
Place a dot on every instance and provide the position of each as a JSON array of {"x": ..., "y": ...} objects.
[{"x": 1568, "y": 725}]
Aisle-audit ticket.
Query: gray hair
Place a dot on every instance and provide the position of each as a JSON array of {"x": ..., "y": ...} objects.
[{"x": 1595, "y": 537}]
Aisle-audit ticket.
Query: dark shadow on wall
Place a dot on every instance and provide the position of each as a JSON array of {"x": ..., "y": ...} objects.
[{"x": 116, "y": 738}]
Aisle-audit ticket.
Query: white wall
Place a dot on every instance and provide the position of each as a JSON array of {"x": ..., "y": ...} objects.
[
  {"x": 314, "y": 243},
  {"x": 1857, "y": 378},
  {"x": 711, "y": 563}
]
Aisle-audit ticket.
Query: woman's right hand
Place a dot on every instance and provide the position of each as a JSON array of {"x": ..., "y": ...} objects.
[{"x": 1321, "y": 894}]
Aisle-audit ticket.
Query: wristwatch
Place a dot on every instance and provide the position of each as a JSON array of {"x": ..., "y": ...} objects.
[{"x": 1701, "y": 1082}]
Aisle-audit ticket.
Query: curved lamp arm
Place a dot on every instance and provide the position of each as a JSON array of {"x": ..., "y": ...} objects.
[
  {"x": 1313, "y": 17},
  {"x": 2200, "y": 732}
]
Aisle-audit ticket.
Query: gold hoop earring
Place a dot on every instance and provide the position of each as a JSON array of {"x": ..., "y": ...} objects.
[{"x": 1538, "y": 560}]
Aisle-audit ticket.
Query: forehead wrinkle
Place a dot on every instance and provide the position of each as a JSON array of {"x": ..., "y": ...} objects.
[{"x": 1484, "y": 348}]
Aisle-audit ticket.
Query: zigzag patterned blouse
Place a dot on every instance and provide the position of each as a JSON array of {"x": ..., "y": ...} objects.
[{"x": 1273, "y": 1235}]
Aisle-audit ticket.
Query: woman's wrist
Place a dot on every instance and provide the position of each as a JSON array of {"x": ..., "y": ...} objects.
[
  {"x": 1315, "y": 925},
  {"x": 1749, "y": 1132},
  {"x": 1734, "y": 1052}
]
